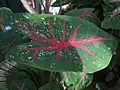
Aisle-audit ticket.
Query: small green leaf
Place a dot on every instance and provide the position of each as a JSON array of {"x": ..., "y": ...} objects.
[
  {"x": 77, "y": 80},
  {"x": 5, "y": 10},
  {"x": 22, "y": 85},
  {"x": 86, "y": 13},
  {"x": 109, "y": 5},
  {"x": 20, "y": 81},
  {"x": 101, "y": 86},
  {"x": 112, "y": 20}
]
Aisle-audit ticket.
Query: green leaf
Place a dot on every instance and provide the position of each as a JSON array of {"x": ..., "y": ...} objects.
[
  {"x": 77, "y": 80},
  {"x": 101, "y": 86},
  {"x": 86, "y": 13},
  {"x": 4, "y": 10},
  {"x": 23, "y": 84},
  {"x": 50, "y": 86},
  {"x": 112, "y": 20},
  {"x": 20, "y": 81},
  {"x": 46, "y": 31},
  {"x": 109, "y": 5}
]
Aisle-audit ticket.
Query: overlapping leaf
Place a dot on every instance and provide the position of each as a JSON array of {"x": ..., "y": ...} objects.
[
  {"x": 4, "y": 10},
  {"x": 112, "y": 20},
  {"x": 86, "y": 13},
  {"x": 20, "y": 81},
  {"x": 77, "y": 80},
  {"x": 109, "y": 5}
]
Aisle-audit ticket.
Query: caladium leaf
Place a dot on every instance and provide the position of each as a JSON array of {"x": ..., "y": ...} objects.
[
  {"x": 86, "y": 13},
  {"x": 57, "y": 41},
  {"x": 112, "y": 20},
  {"x": 109, "y": 5},
  {"x": 77, "y": 80}
]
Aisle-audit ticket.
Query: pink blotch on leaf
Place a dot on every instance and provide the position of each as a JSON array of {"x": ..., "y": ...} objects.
[
  {"x": 85, "y": 13},
  {"x": 115, "y": 13}
]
